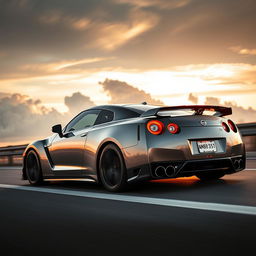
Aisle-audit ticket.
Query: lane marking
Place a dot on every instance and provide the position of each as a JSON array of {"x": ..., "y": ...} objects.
[
  {"x": 7, "y": 168},
  {"x": 228, "y": 208}
]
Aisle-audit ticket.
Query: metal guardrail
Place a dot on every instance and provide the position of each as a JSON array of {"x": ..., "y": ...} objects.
[
  {"x": 248, "y": 132},
  {"x": 12, "y": 155},
  {"x": 248, "y": 129}
]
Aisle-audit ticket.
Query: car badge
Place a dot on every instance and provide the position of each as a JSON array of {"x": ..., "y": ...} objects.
[{"x": 203, "y": 122}]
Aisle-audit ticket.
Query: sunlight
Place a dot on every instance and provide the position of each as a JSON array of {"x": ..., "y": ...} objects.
[
  {"x": 162, "y": 83},
  {"x": 172, "y": 86}
]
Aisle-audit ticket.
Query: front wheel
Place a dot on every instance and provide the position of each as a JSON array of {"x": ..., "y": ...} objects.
[
  {"x": 33, "y": 168},
  {"x": 112, "y": 169},
  {"x": 210, "y": 175}
]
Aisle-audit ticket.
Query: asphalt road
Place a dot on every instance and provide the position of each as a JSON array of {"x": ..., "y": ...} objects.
[{"x": 171, "y": 217}]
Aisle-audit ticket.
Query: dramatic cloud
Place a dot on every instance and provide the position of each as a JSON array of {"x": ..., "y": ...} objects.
[
  {"x": 78, "y": 102},
  {"x": 30, "y": 70},
  {"x": 192, "y": 98},
  {"x": 144, "y": 34},
  {"x": 25, "y": 119},
  {"x": 240, "y": 114},
  {"x": 112, "y": 35},
  {"x": 22, "y": 118},
  {"x": 221, "y": 79},
  {"x": 55, "y": 17},
  {"x": 169, "y": 4},
  {"x": 212, "y": 101},
  {"x": 3, "y": 95},
  {"x": 121, "y": 92},
  {"x": 243, "y": 51},
  {"x": 101, "y": 33},
  {"x": 41, "y": 33}
]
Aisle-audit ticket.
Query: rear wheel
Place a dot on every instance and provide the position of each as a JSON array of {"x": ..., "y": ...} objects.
[
  {"x": 210, "y": 175},
  {"x": 112, "y": 168},
  {"x": 33, "y": 168}
]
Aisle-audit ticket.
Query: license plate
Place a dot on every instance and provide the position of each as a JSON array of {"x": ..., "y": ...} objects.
[{"x": 206, "y": 146}]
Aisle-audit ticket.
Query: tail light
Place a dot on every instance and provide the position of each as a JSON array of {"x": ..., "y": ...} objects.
[
  {"x": 155, "y": 127},
  {"x": 173, "y": 128},
  {"x": 232, "y": 125},
  {"x": 225, "y": 127}
]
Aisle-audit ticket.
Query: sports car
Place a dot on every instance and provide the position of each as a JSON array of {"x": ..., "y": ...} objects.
[{"x": 116, "y": 145}]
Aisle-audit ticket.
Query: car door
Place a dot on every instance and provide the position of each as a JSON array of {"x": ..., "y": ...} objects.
[{"x": 67, "y": 152}]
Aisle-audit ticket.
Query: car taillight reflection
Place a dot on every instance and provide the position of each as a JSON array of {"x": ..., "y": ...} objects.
[
  {"x": 232, "y": 125},
  {"x": 173, "y": 128},
  {"x": 155, "y": 127},
  {"x": 225, "y": 127}
]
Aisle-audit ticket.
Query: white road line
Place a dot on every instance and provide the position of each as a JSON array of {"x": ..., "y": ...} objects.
[
  {"x": 6, "y": 168},
  {"x": 228, "y": 208}
]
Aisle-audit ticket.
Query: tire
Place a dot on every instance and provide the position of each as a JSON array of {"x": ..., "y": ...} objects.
[
  {"x": 210, "y": 175},
  {"x": 112, "y": 169},
  {"x": 33, "y": 168}
]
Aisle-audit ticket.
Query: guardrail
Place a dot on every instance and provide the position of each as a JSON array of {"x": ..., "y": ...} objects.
[
  {"x": 247, "y": 129},
  {"x": 12, "y": 155},
  {"x": 248, "y": 132}
]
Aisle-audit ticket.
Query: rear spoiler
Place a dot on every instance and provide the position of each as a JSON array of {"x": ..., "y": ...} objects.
[{"x": 199, "y": 109}]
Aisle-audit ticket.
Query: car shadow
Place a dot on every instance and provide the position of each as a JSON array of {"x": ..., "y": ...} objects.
[
  {"x": 150, "y": 188},
  {"x": 176, "y": 185}
]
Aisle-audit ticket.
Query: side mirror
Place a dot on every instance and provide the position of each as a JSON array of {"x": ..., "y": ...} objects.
[{"x": 57, "y": 129}]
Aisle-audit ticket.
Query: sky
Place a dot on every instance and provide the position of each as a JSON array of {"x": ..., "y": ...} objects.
[{"x": 58, "y": 57}]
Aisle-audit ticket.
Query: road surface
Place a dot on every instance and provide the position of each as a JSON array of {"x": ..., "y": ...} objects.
[{"x": 169, "y": 217}]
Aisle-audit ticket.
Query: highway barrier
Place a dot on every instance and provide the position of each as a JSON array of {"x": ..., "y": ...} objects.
[
  {"x": 12, "y": 155},
  {"x": 248, "y": 132}
]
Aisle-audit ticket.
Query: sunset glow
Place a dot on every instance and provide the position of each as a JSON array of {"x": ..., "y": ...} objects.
[
  {"x": 166, "y": 52},
  {"x": 170, "y": 86}
]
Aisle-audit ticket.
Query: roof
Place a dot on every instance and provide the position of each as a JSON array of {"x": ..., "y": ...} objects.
[
  {"x": 145, "y": 110},
  {"x": 123, "y": 111},
  {"x": 138, "y": 108}
]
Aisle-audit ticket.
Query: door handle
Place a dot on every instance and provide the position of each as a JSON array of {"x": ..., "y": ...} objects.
[{"x": 84, "y": 134}]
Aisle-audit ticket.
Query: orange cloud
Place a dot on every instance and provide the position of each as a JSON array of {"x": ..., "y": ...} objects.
[
  {"x": 106, "y": 35},
  {"x": 66, "y": 64},
  {"x": 170, "y": 4},
  {"x": 54, "y": 17},
  {"x": 120, "y": 92},
  {"x": 113, "y": 35},
  {"x": 29, "y": 71},
  {"x": 243, "y": 51}
]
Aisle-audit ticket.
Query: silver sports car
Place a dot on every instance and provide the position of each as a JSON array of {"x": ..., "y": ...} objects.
[{"x": 119, "y": 144}]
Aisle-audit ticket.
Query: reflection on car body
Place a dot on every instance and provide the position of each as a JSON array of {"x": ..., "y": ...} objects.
[{"x": 120, "y": 144}]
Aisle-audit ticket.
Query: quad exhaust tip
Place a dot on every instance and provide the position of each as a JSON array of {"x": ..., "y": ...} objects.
[
  {"x": 170, "y": 171},
  {"x": 160, "y": 171},
  {"x": 163, "y": 172}
]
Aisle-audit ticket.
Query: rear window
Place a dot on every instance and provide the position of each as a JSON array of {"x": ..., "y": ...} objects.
[{"x": 105, "y": 116}]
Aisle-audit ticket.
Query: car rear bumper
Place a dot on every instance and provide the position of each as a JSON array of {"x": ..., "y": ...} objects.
[
  {"x": 175, "y": 169},
  {"x": 188, "y": 168}
]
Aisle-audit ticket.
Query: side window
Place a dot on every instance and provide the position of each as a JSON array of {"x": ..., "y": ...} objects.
[
  {"x": 85, "y": 119},
  {"x": 105, "y": 116}
]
